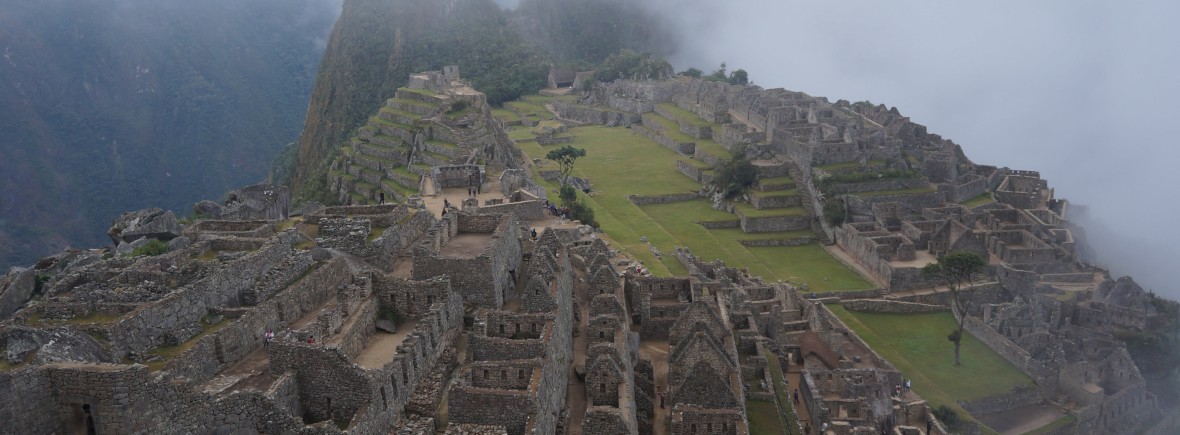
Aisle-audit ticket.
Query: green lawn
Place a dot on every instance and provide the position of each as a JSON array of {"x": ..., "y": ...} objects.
[
  {"x": 980, "y": 199},
  {"x": 764, "y": 418},
  {"x": 684, "y": 115},
  {"x": 913, "y": 191},
  {"x": 916, "y": 344},
  {"x": 847, "y": 165},
  {"x": 620, "y": 162},
  {"x": 748, "y": 210},
  {"x": 781, "y": 389}
]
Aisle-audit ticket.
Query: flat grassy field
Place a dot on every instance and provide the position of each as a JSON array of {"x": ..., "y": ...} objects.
[
  {"x": 916, "y": 344},
  {"x": 764, "y": 418},
  {"x": 620, "y": 162}
]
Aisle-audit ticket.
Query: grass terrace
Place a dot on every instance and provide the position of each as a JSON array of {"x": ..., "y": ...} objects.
[
  {"x": 684, "y": 115},
  {"x": 764, "y": 417},
  {"x": 981, "y": 199},
  {"x": 168, "y": 353},
  {"x": 745, "y": 209},
  {"x": 505, "y": 114},
  {"x": 914, "y": 191},
  {"x": 426, "y": 92},
  {"x": 849, "y": 165},
  {"x": 916, "y": 344},
  {"x": 620, "y": 162}
]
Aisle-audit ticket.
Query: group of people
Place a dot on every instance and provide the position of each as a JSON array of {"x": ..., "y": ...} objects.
[
  {"x": 901, "y": 388},
  {"x": 269, "y": 336}
]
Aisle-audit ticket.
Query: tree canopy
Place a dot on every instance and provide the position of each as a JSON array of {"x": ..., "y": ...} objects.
[
  {"x": 735, "y": 176},
  {"x": 565, "y": 157},
  {"x": 956, "y": 270}
]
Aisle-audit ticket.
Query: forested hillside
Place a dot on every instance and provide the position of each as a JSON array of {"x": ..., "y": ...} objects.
[
  {"x": 108, "y": 106},
  {"x": 376, "y": 44}
]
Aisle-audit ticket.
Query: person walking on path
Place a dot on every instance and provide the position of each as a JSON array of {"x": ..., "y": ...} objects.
[
  {"x": 270, "y": 335},
  {"x": 796, "y": 396}
]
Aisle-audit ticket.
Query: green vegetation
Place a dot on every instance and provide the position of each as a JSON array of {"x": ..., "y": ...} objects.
[
  {"x": 981, "y": 199},
  {"x": 956, "y": 269},
  {"x": 781, "y": 391},
  {"x": 915, "y": 344},
  {"x": 168, "y": 353},
  {"x": 181, "y": 113},
  {"x": 565, "y": 157},
  {"x": 735, "y": 176},
  {"x": 627, "y": 64},
  {"x": 748, "y": 210},
  {"x": 1064, "y": 421},
  {"x": 620, "y": 162},
  {"x": 153, "y": 248},
  {"x": 914, "y": 191},
  {"x": 764, "y": 417}
]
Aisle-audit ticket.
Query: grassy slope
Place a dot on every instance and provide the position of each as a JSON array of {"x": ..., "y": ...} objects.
[
  {"x": 619, "y": 163},
  {"x": 916, "y": 344}
]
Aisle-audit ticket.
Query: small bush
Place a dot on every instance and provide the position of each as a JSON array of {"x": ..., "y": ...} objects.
[
  {"x": 947, "y": 416},
  {"x": 580, "y": 211},
  {"x": 153, "y": 248}
]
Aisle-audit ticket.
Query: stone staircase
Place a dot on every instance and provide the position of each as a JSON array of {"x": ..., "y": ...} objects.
[{"x": 811, "y": 203}]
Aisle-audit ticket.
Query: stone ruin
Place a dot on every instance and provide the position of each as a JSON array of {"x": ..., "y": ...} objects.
[{"x": 381, "y": 313}]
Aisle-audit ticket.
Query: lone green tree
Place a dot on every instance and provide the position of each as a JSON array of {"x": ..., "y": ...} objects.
[
  {"x": 956, "y": 269},
  {"x": 565, "y": 157},
  {"x": 736, "y": 175}
]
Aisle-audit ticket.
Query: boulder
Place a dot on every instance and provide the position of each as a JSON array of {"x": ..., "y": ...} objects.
[
  {"x": 147, "y": 223},
  {"x": 208, "y": 209},
  {"x": 16, "y": 288},
  {"x": 179, "y": 243},
  {"x": 126, "y": 248},
  {"x": 45, "y": 346},
  {"x": 260, "y": 201}
]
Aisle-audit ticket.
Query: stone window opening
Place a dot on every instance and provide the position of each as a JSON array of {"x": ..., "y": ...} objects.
[
  {"x": 517, "y": 328},
  {"x": 501, "y": 328},
  {"x": 534, "y": 327},
  {"x": 520, "y": 374},
  {"x": 602, "y": 388},
  {"x": 384, "y": 401},
  {"x": 503, "y": 375},
  {"x": 694, "y": 428},
  {"x": 486, "y": 373},
  {"x": 709, "y": 427},
  {"x": 725, "y": 427},
  {"x": 601, "y": 334}
]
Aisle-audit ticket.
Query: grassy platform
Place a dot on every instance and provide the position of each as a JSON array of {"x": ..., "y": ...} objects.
[
  {"x": 916, "y": 344},
  {"x": 620, "y": 162}
]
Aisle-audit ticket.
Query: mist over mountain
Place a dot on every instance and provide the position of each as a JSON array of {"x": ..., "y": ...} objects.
[
  {"x": 115, "y": 105},
  {"x": 505, "y": 53},
  {"x": 1081, "y": 91}
]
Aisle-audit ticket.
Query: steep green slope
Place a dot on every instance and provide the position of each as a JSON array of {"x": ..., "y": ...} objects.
[
  {"x": 113, "y": 106},
  {"x": 376, "y": 44}
]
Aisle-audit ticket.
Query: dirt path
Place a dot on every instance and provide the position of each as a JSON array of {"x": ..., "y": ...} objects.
[
  {"x": 576, "y": 390},
  {"x": 382, "y": 346},
  {"x": 847, "y": 259},
  {"x": 742, "y": 119},
  {"x": 793, "y": 378},
  {"x": 1022, "y": 420},
  {"x": 657, "y": 351}
]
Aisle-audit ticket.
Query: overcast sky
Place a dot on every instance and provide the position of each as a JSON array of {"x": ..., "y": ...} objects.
[{"x": 1085, "y": 92}]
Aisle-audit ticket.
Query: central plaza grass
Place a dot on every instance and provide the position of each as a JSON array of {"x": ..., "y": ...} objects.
[
  {"x": 916, "y": 344},
  {"x": 620, "y": 162}
]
